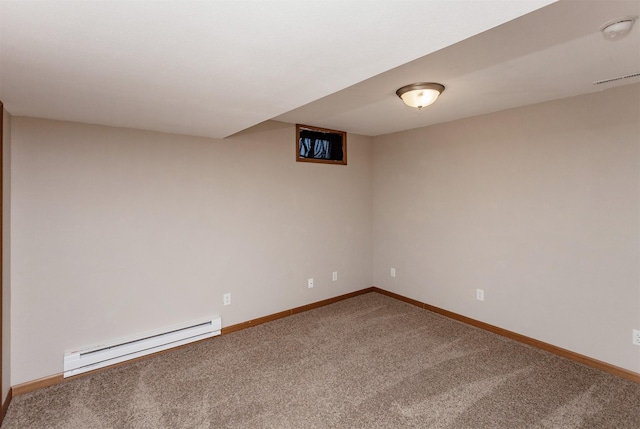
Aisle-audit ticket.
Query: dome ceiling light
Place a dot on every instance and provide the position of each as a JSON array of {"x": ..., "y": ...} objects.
[{"x": 419, "y": 95}]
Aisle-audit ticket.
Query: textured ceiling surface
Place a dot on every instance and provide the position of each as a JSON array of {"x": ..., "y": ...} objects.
[
  {"x": 555, "y": 52},
  {"x": 216, "y": 68}
]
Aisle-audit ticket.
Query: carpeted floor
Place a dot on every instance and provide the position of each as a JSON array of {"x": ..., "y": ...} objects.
[{"x": 367, "y": 362}]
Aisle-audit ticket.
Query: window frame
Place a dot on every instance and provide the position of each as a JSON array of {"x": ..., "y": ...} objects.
[{"x": 342, "y": 135}]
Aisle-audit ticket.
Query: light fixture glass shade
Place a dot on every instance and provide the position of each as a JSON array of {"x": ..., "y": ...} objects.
[{"x": 421, "y": 94}]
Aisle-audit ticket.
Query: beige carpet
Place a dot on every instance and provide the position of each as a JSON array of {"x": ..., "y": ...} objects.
[{"x": 367, "y": 362}]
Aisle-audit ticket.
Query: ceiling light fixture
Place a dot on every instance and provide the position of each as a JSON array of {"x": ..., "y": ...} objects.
[
  {"x": 618, "y": 28},
  {"x": 419, "y": 95}
]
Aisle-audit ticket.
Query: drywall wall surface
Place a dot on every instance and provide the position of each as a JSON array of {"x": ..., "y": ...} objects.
[
  {"x": 538, "y": 206},
  {"x": 117, "y": 232},
  {"x": 6, "y": 253}
]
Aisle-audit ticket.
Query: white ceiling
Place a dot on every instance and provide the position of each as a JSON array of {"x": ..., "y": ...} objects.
[
  {"x": 215, "y": 68},
  {"x": 555, "y": 52}
]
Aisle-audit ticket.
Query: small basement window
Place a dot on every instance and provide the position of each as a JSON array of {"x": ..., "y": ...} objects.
[{"x": 322, "y": 145}]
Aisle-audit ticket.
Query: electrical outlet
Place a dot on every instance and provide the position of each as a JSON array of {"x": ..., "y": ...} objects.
[
  {"x": 310, "y": 283},
  {"x": 480, "y": 294},
  {"x": 226, "y": 299},
  {"x": 636, "y": 337},
  {"x": 335, "y": 276},
  {"x": 393, "y": 272}
]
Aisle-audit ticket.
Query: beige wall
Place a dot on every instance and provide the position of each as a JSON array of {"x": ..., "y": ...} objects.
[
  {"x": 6, "y": 255},
  {"x": 538, "y": 206},
  {"x": 117, "y": 232}
]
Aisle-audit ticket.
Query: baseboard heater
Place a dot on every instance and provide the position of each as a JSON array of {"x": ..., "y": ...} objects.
[{"x": 77, "y": 362}]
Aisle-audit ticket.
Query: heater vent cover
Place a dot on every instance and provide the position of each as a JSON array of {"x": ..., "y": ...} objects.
[{"x": 77, "y": 362}]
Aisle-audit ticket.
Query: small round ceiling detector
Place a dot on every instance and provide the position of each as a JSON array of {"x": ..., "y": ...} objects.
[{"x": 616, "y": 29}]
